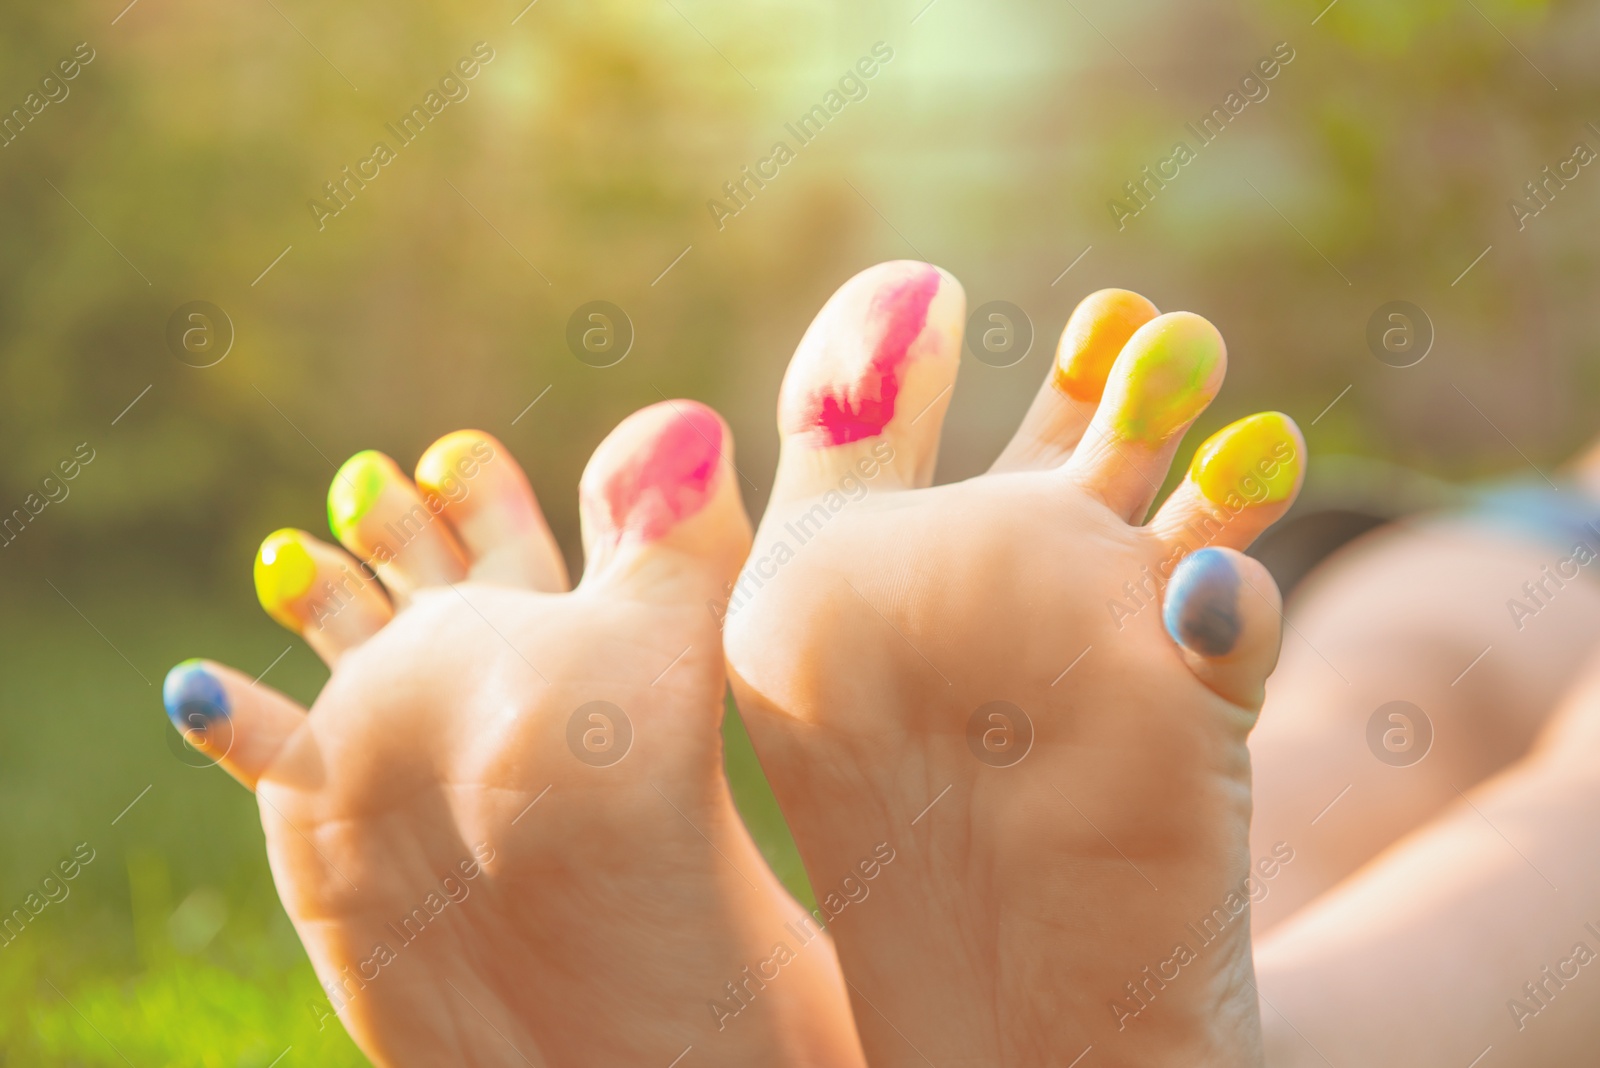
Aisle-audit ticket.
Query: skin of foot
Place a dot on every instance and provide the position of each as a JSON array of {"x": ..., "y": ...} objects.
[
  {"x": 1032, "y": 700},
  {"x": 1475, "y": 939},
  {"x": 502, "y": 831},
  {"x": 1419, "y": 613}
]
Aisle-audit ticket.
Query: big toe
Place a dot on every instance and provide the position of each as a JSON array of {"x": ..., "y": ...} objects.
[
  {"x": 868, "y": 385},
  {"x": 660, "y": 503}
]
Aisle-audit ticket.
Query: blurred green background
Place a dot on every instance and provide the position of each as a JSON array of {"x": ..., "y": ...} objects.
[{"x": 180, "y": 165}]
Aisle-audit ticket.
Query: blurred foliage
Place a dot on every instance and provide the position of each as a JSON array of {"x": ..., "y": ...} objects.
[
  {"x": 580, "y": 165},
  {"x": 181, "y": 164}
]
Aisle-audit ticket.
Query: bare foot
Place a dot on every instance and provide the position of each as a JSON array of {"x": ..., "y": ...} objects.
[
  {"x": 502, "y": 831},
  {"x": 976, "y": 678}
]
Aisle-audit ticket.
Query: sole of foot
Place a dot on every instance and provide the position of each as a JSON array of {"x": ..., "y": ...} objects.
[
  {"x": 1007, "y": 718},
  {"x": 502, "y": 830}
]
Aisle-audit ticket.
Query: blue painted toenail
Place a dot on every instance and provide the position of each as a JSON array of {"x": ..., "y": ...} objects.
[
  {"x": 193, "y": 696},
  {"x": 1202, "y": 609}
]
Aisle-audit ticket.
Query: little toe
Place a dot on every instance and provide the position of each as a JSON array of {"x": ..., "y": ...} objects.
[
  {"x": 1224, "y": 611},
  {"x": 1241, "y": 481},
  {"x": 1162, "y": 380},
  {"x": 1098, "y": 329},
  {"x": 869, "y": 383},
  {"x": 660, "y": 503},
  {"x": 240, "y": 724},
  {"x": 379, "y": 515},
  {"x": 485, "y": 498},
  {"x": 319, "y": 593}
]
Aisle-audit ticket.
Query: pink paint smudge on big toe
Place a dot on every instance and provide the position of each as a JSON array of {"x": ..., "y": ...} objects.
[
  {"x": 863, "y": 408},
  {"x": 660, "y": 488}
]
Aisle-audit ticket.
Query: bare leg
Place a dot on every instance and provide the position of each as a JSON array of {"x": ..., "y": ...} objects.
[
  {"x": 1479, "y": 932},
  {"x": 1405, "y": 615}
]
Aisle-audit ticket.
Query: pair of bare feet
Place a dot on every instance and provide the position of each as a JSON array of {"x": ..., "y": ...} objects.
[{"x": 1006, "y": 720}]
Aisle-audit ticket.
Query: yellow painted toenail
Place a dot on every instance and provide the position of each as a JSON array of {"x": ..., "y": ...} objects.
[
  {"x": 355, "y": 489},
  {"x": 1169, "y": 374},
  {"x": 284, "y": 573},
  {"x": 1096, "y": 331},
  {"x": 1256, "y": 460}
]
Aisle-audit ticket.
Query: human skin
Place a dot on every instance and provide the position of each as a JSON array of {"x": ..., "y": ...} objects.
[
  {"x": 483, "y": 867},
  {"x": 1065, "y": 783},
  {"x": 1418, "y": 613},
  {"x": 1423, "y": 897},
  {"x": 1476, "y": 938}
]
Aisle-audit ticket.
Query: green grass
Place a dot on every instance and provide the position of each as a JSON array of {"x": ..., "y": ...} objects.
[{"x": 170, "y": 947}]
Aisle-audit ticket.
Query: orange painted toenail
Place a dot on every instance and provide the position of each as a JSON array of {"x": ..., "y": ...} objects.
[
  {"x": 447, "y": 469},
  {"x": 1097, "y": 330}
]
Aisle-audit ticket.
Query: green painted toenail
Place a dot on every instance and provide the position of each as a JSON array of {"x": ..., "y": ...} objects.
[
  {"x": 1169, "y": 379},
  {"x": 355, "y": 489}
]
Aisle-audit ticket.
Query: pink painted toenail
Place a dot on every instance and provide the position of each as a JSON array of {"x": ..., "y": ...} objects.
[
  {"x": 658, "y": 489},
  {"x": 863, "y": 408}
]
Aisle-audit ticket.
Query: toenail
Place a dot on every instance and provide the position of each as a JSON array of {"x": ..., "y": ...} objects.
[
  {"x": 355, "y": 489},
  {"x": 1202, "y": 609},
  {"x": 452, "y": 462},
  {"x": 842, "y": 412},
  {"x": 1170, "y": 377},
  {"x": 284, "y": 573},
  {"x": 1256, "y": 460},
  {"x": 193, "y": 696},
  {"x": 1096, "y": 332},
  {"x": 656, "y": 489}
]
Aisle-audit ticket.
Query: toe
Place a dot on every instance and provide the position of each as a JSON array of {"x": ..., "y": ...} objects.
[
  {"x": 1224, "y": 611},
  {"x": 1242, "y": 480},
  {"x": 486, "y": 500},
  {"x": 1096, "y": 332},
  {"x": 870, "y": 381},
  {"x": 240, "y": 724},
  {"x": 379, "y": 515},
  {"x": 660, "y": 503},
  {"x": 1162, "y": 380},
  {"x": 319, "y": 593}
]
